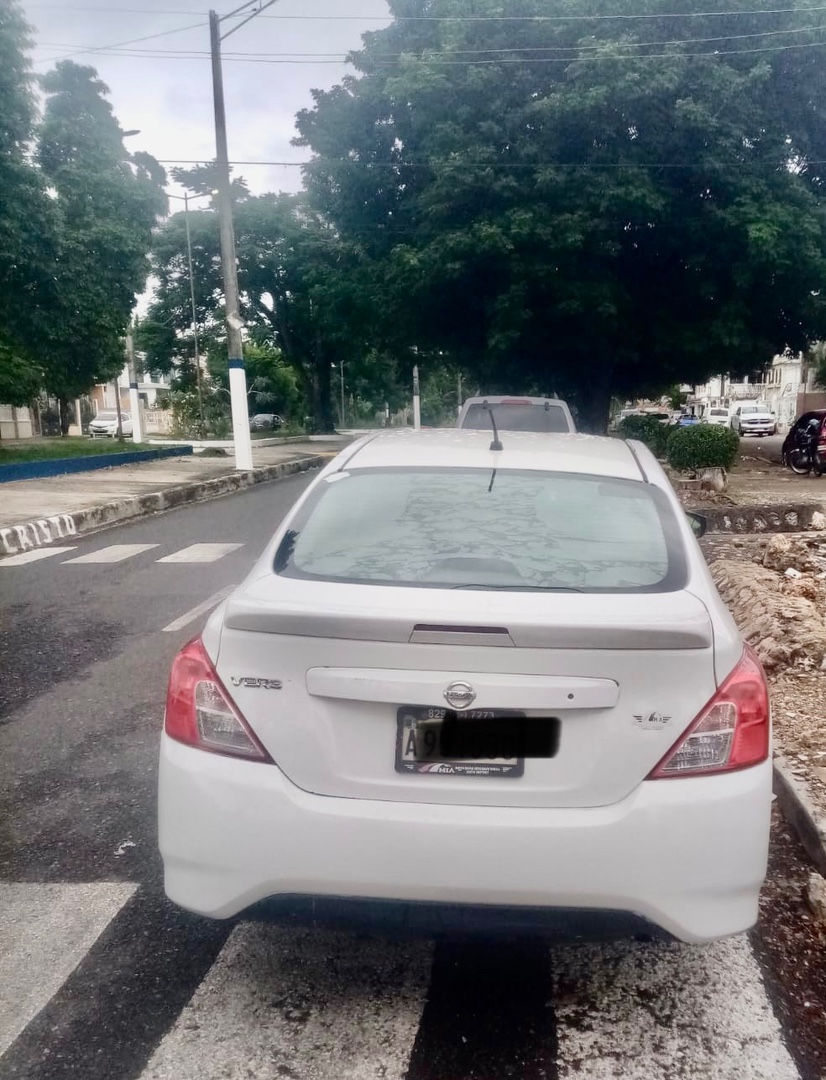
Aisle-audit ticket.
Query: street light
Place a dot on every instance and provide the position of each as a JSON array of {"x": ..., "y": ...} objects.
[{"x": 198, "y": 373}]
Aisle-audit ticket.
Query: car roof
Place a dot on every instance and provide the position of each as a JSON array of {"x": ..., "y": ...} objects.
[
  {"x": 461, "y": 448},
  {"x": 516, "y": 399}
]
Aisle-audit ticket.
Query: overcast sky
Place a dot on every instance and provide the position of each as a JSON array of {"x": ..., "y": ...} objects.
[{"x": 169, "y": 98}]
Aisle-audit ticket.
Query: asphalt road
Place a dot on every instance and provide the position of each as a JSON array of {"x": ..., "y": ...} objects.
[
  {"x": 768, "y": 448},
  {"x": 102, "y": 979}
]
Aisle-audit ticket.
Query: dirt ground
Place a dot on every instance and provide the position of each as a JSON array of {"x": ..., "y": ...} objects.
[
  {"x": 781, "y": 609},
  {"x": 790, "y": 944},
  {"x": 754, "y": 480},
  {"x": 774, "y": 588}
]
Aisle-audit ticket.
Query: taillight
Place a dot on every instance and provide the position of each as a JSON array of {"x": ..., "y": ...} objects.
[
  {"x": 200, "y": 712},
  {"x": 731, "y": 732}
]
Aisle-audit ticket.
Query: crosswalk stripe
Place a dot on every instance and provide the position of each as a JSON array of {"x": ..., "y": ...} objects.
[
  {"x": 35, "y": 556},
  {"x": 196, "y": 612},
  {"x": 114, "y": 554},
  {"x": 45, "y": 931},
  {"x": 281, "y": 1002},
  {"x": 201, "y": 553},
  {"x": 664, "y": 1011}
]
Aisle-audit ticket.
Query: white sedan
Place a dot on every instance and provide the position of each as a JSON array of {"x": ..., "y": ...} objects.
[
  {"x": 105, "y": 424},
  {"x": 487, "y": 682}
]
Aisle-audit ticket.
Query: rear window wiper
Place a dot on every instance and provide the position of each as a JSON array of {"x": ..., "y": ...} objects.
[
  {"x": 285, "y": 551},
  {"x": 521, "y": 588}
]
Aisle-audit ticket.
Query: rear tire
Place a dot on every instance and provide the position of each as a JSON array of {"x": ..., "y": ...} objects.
[{"x": 799, "y": 463}]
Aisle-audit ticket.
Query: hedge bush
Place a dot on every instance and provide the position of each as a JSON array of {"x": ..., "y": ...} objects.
[
  {"x": 702, "y": 447},
  {"x": 648, "y": 430}
]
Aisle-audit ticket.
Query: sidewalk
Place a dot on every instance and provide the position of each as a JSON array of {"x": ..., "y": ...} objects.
[{"x": 35, "y": 513}]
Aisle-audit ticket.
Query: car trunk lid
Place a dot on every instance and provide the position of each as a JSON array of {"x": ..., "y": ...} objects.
[{"x": 621, "y": 675}]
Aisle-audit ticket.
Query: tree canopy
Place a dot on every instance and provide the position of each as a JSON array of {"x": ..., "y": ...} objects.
[
  {"x": 26, "y": 247},
  {"x": 590, "y": 205},
  {"x": 75, "y": 229},
  {"x": 302, "y": 293},
  {"x": 108, "y": 202}
]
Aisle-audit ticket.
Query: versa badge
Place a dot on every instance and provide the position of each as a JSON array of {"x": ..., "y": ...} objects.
[{"x": 257, "y": 684}]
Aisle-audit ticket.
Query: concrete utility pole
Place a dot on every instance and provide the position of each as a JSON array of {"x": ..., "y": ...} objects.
[
  {"x": 235, "y": 341},
  {"x": 417, "y": 401},
  {"x": 343, "y": 414},
  {"x": 134, "y": 399}
]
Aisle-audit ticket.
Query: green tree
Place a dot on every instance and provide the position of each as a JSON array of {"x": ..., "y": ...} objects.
[
  {"x": 592, "y": 207},
  {"x": 272, "y": 386},
  {"x": 301, "y": 291},
  {"x": 25, "y": 243},
  {"x": 20, "y": 380},
  {"x": 107, "y": 203}
]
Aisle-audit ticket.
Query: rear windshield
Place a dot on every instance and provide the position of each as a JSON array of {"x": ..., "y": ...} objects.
[
  {"x": 528, "y": 417},
  {"x": 719, "y": 412},
  {"x": 471, "y": 528}
]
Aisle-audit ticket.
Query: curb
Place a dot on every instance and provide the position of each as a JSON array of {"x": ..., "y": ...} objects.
[
  {"x": 43, "y": 470},
  {"x": 800, "y": 812},
  {"x": 17, "y": 539},
  {"x": 766, "y": 518}
]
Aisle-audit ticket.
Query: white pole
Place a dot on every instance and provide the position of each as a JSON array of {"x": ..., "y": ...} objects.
[
  {"x": 417, "y": 401},
  {"x": 134, "y": 400}
]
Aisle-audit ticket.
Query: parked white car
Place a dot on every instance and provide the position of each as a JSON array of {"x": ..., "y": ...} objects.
[
  {"x": 753, "y": 419},
  {"x": 498, "y": 680},
  {"x": 105, "y": 425},
  {"x": 717, "y": 416},
  {"x": 516, "y": 414}
]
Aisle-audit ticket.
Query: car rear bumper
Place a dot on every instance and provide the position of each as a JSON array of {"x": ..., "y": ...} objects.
[{"x": 688, "y": 856}]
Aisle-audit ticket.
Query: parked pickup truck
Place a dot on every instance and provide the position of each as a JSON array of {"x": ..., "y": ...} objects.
[
  {"x": 516, "y": 414},
  {"x": 753, "y": 419}
]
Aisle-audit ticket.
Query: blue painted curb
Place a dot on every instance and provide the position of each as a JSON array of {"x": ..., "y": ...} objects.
[{"x": 38, "y": 470}]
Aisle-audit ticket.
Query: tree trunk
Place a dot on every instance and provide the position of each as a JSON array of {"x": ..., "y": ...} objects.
[
  {"x": 322, "y": 395},
  {"x": 64, "y": 407},
  {"x": 594, "y": 406}
]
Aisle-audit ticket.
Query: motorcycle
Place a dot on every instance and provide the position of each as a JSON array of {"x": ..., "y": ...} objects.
[{"x": 805, "y": 458}]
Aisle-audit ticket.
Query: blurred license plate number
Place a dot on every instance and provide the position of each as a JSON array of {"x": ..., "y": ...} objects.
[{"x": 478, "y": 742}]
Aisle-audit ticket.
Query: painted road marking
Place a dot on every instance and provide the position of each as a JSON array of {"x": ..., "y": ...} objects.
[
  {"x": 201, "y": 553},
  {"x": 45, "y": 931},
  {"x": 35, "y": 556},
  {"x": 652, "y": 1012},
  {"x": 196, "y": 612},
  {"x": 282, "y": 1002},
  {"x": 115, "y": 554}
]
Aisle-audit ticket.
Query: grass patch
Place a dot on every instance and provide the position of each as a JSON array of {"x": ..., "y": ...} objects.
[{"x": 56, "y": 448}]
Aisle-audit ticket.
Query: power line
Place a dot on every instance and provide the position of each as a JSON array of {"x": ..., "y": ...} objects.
[
  {"x": 114, "y": 11},
  {"x": 121, "y": 44},
  {"x": 576, "y": 57},
  {"x": 544, "y": 18},
  {"x": 631, "y": 16},
  {"x": 199, "y": 53},
  {"x": 487, "y": 164}
]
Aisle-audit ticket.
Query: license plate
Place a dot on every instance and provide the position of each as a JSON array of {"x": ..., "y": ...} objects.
[{"x": 478, "y": 742}]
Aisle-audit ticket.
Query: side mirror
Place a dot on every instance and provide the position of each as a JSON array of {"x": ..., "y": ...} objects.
[{"x": 699, "y": 524}]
